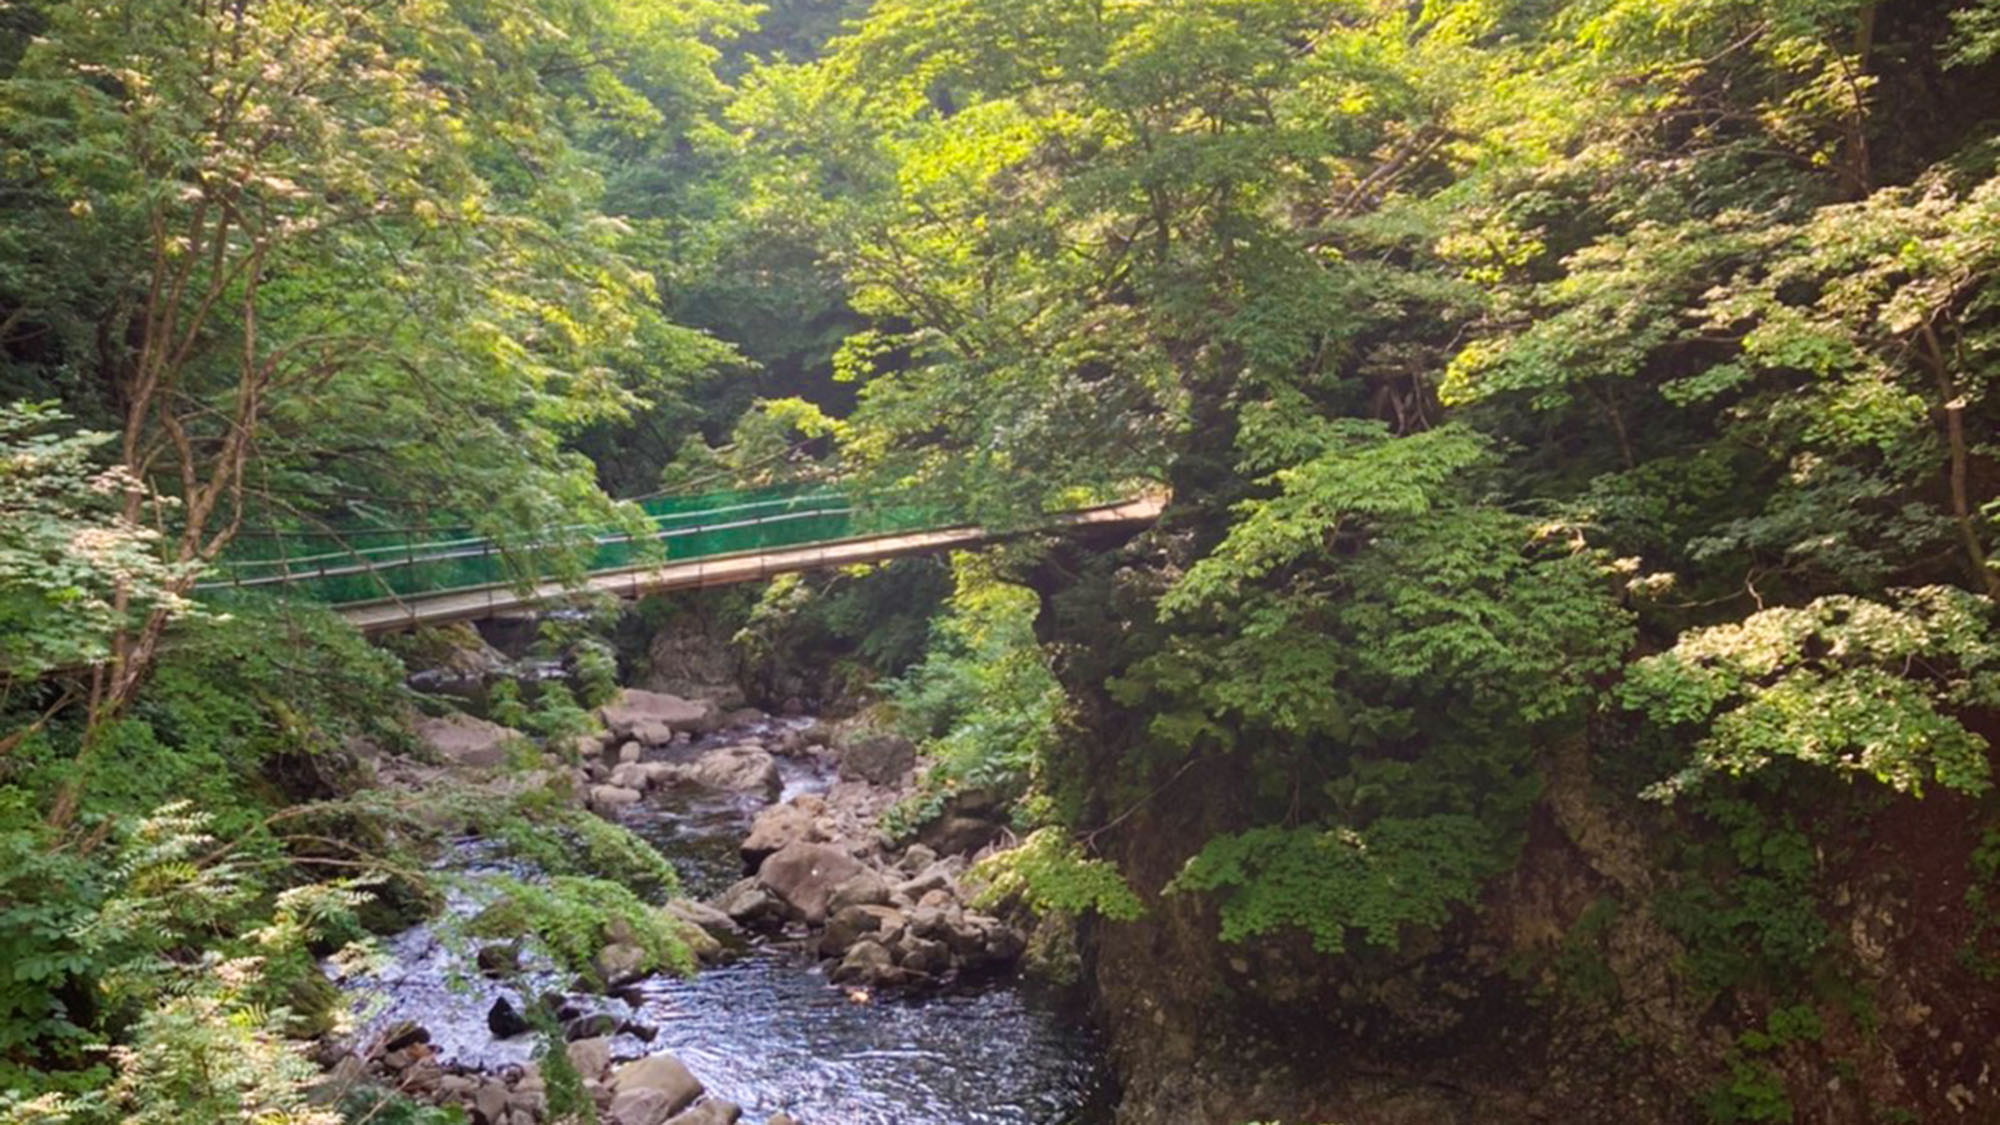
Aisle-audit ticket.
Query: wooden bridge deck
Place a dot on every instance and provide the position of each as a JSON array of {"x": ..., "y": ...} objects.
[{"x": 391, "y": 614}]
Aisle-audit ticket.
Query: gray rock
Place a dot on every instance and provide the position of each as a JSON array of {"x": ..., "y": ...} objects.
[
  {"x": 868, "y": 962},
  {"x": 620, "y": 961},
  {"x": 1005, "y": 945},
  {"x": 703, "y": 916},
  {"x": 652, "y": 732},
  {"x": 651, "y": 717},
  {"x": 851, "y": 924},
  {"x": 968, "y": 935},
  {"x": 922, "y": 955},
  {"x": 930, "y": 922},
  {"x": 779, "y": 825},
  {"x": 597, "y": 1025},
  {"x": 630, "y": 775},
  {"x": 711, "y": 1112},
  {"x": 629, "y": 752},
  {"x": 751, "y": 904},
  {"x": 639, "y": 1107},
  {"x": 591, "y": 1057},
  {"x": 743, "y": 768},
  {"x": 805, "y": 875},
  {"x": 465, "y": 741},
  {"x": 916, "y": 887},
  {"x": 505, "y": 1021},
  {"x": 875, "y": 756},
  {"x": 490, "y": 1100},
  {"x": 662, "y": 1074},
  {"x": 917, "y": 858},
  {"x": 500, "y": 960},
  {"x": 866, "y": 888},
  {"x": 608, "y": 799},
  {"x": 692, "y": 656},
  {"x": 960, "y": 835}
]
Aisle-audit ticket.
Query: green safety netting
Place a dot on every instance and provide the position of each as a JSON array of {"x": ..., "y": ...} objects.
[{"x": 362, "y": 564}]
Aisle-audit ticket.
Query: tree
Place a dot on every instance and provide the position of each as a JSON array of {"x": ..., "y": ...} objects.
[{"x": 299, "y": 251}]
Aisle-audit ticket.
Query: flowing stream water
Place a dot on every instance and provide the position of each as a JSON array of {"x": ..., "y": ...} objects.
[{"x": 767, "y": 1030}]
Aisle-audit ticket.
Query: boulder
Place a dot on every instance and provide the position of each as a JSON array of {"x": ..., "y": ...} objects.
[
  {"x": 933, "y": 878},
  {"x": 692, "y": 656},
  {"x": 750, "y": 903},
  {"x": 591, "y": 1057},
  {"x": 608, "y": 799},
  {"x": 955, "y": 834},
  {"x": 620, "y": 961},
  {"x": 489, "y": 1101},
  {"x": 630, "y": 775},
  {"x": 917, "y": 858},
  {"x": 876, "y": 756},
  {"x": 968, "y": 935},
  {"x": 500, "y": 960},
  {"x": 599, "y": 1025},
  {"x": 930, "y": 922},
  {"x": 505, "y": 1021},
  {"x": 629, "y": 752},
  {"x": 639, "y": 1107},
  {"x": 703, "y": 916},
  {"x": 457, "y": 650},
  {"x": 851, "y": 924},
  {"x": 404, "y": 1033},
  {"x": 744, "y": 768},
  {"x": 660, "y": 1074},
  {"x": 781, "y": 1119},
  {"x": 465, "y": 741},
  {"x": 866, "y": 888},
  {"x": 868, "y": 962},
  {"x": 922, "y": 955},
  {"x": 804, "y": 877},
  {"x": 779, "y": 825},
  {"x": 711, "y": 1112},
  {"x": 651, "y": 717},
  {"x": 1005, "y": 945}
]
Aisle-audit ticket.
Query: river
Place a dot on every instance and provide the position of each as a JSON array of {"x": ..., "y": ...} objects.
[{"x": 767, "y": 1030}]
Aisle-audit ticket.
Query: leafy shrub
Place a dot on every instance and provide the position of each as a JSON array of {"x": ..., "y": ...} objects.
[
  {"x": 1748, "y": 912},
  {"x": 1049, "y": 872},
  {"x": 982, "y": 703},
  {"x": 1328, "y": 882},
  {"x": 573, "y": 917},
  {"x": 1860, "y": 687},
  {"x": 67, "y": 551},
  {"x": 204, "y": 1035}
]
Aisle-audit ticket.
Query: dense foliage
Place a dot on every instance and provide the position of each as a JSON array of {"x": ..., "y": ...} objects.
[
  {"x": 1577, "y": 419},
  {"x": 1529, "y": 378}
]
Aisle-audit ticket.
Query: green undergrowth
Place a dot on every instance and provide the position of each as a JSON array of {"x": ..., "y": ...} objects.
[
  {"x": 572, "y": 918},
  {"x": 1049, "y": 873},
  {"x": 982, "y": 705}
]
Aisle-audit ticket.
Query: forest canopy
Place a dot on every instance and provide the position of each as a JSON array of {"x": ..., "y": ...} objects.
[{"x": 1576, "y": 420}]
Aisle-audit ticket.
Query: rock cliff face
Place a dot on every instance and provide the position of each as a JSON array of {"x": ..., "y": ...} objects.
[{"x": 1578, "y": 990}]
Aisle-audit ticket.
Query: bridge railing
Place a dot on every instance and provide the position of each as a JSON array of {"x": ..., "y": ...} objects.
[{"x": 368, "y": 564}]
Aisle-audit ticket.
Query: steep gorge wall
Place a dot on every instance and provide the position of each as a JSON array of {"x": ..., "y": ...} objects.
[{"x": 1574, "y": 991}]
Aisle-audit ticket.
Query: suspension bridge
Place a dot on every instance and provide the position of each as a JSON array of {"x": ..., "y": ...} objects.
[{"x": 382, "y": 580}]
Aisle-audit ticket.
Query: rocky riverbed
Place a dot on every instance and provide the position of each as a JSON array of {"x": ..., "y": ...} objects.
[{"x": 847, "y": 979}]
